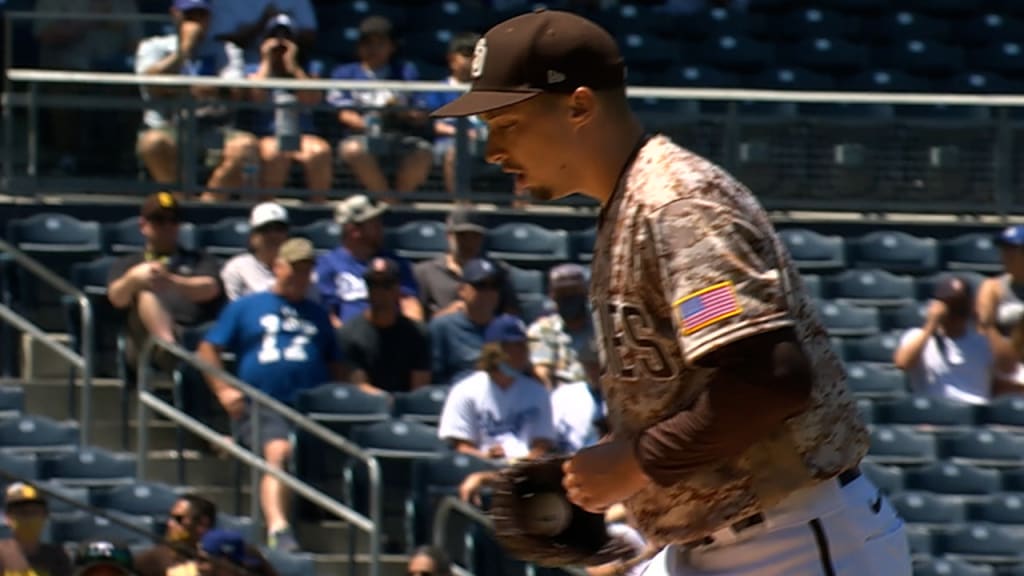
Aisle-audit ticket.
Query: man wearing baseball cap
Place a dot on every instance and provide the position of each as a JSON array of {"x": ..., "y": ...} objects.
[
  {"x": 253, "y": 271},
  {"x": 166, "y": 288},
  {"x": 456, "y": 338},
  {"x": 340, "y": 271},
  {"x": 285, "y": 344},
  {"x": 26, "y": 513}
]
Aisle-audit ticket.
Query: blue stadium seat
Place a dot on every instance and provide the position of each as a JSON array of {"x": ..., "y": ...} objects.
[
  {"x": 925, "y": 57},
  {"x": 435, "y": 479},
  {"x": 975, "y": 252},
  {"x": 904, "y": 317},
  {"x": 91, "y": 278},
  {"x": 901, "y": 446},
  {"x": 878, "y": 348},
  {"x": 1004, "y": 412},
  {"x": 124, "y": 237},
  {"x": 527, "y": 282},
  {"x": 829, "y": 55},
  {"x": 12, "y": 400},
  {"x": 290, "y": 564},
  {"x": 928, "y": 508},
  {"x": 888, "y": 479},
  {"x": 583, "y": 244},
  {"x": 951, "y": 567},
  {"x": 954, "y": 479},
  {"x": 137, "y": 499},
  {"x": 648, "y": 51},
  {"x": 990, "y": 28},
  {"x": 984, "y": 447},
  {"x": 813, "y": 22},
  {"x": 871, "y": 7},
  {"x": 873, "y": 380},
  {"x": 981, "y": 543},
  {"x": 926, "y": 285},
  {"x": 77, "y": 496},
  {"x": 84, "y": 527},
  {"x": 21, "y": 466},
  {"x": 812, "y": 285},
  {"x": 922, "y": 543},
  {"x": 811, "y": 251},
  {"x": 784, "y": 78},
  {"x": 1001, "y": 508},
  {"x": 932, "y": 413},
  {"x": 532, "y": 307},
  {"x": 892, "y": 27},
  {"x": 871, "y": 288},
  {"x": 90, "y": 467},
  {"x": 978, "y": 82},
  {"x": 419, "y": 239},
  {"x": 1013, "y": 479},
  {"x": 342, "y": 403},
  {"x": 422, "y": 405},
  {"x": 324, "y": 234},
  {"x": 527, "y": 245},
  {"x": 737, "y": 53},
  {"x": 842, "y": 319},
  {"x": 399, "y": 439},
  {"x": 28, "y": 433},
  {"x": 1003, "y": 57},
  {"x": 866, "y": 410},
  {"x": 895, "y": 251},
  {"x": 224, "y": 238},
  {"x": 57, "y": 240}
]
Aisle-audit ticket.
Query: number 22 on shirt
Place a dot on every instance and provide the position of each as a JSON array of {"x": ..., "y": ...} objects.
[{"x": 285, "y": 339}]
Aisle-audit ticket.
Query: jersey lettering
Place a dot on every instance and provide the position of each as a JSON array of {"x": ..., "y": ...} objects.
[
  {"x": 285, "y": 338},
  {"x": 631, "y": 349}
]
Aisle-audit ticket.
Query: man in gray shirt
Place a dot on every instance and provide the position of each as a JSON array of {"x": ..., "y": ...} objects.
[{"x": 251, "y": 272}]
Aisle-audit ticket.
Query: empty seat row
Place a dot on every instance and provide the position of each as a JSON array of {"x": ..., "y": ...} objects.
[
  {"x": 941, "y": 414},
  {"x": 946, "y": 477},
  {"x": 924, "y": 507},
  {"x": 905, "y": 446}
]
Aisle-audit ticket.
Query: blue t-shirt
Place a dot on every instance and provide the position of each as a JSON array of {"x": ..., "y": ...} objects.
[
  {"x": 282, "y": 347},
  {"x": 455, "y": 344},
  {"x": 434, "y": 100},
  {"x": 342, "y": 288},
  {"x": 261, "y": 121}
]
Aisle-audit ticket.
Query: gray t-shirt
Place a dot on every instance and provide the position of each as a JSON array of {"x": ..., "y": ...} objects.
[
  {"x": 243, "y": 274},
  {"x": 439, "y": 286}
]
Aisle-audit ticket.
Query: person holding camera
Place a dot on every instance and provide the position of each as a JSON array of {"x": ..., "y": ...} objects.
[{"x": 286, "y": 133}]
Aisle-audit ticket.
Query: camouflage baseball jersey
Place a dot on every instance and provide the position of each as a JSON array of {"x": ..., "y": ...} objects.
[
  {"x": 686, "y": 262},
  {"x": 551, "y": 345}
]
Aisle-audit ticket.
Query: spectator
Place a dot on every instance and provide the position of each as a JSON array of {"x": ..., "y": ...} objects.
[
  {"x": 429, "y": 561},
  {"x": 439, "y": 278},
  {"x": 225, "y": 553},
  {"x": 460, "y": 58},
  {"x": 165, "y": 288},
  {"x": 456, "y": 338},
  {"x": 286, "y": 136},
  {"x": 243, "y": 23},
  {"x": 158, "y": 143},
  {"x": 560, "y": 339},
  {"x": 190, "y": 518},
  {"x": 340, "y": 272},
  {"x": 26, "y": 513},
  {"x": 253, "y": 271},
  {"x": 499, "y": 412},
  {"x": 102, "y": 558},
  {"x": 948, "y": 357},
  {"x": 1001, "y": 309},
  {"x": 284, "y": 344},
  {"x": 382, "y": 124},
  {"x": 386, "y": 351}
]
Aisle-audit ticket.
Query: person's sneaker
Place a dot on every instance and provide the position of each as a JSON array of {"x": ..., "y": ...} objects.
[{"x": 283, "y": 541}]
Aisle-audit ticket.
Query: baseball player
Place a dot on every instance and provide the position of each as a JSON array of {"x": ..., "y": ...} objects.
[{"x": 735, "y": 443}]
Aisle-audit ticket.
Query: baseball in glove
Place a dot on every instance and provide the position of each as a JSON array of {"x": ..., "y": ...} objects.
[{"x": 535, "y": 522}]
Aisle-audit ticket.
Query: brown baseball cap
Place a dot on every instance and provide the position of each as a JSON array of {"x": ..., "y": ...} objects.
[
  {"x": 296, "y": 250},
  {"x": 161, "y": 205},
  {"x": 545, "y": 51}
]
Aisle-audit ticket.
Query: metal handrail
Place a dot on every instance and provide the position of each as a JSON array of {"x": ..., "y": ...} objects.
[
  {"x": 84, "y": 360},
  {"x": 369, "y": 525}
]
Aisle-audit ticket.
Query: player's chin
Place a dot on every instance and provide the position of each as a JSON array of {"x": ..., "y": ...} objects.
[{"x": 544, "y": 193}]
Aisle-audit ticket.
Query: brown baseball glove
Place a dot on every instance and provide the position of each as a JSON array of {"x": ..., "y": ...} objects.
[{"x": 535, "y": 522}]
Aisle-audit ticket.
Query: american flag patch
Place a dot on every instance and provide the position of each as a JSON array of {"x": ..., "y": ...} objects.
[{"x": 707, "y": 306}]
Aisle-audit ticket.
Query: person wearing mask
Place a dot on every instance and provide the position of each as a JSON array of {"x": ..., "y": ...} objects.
[
  {"x": 224, "y": 553},
  {"x": 386, "y": 351},
  {"x": 947, "y": 357},
  {"x": 1000, "y": 309},
  {"x": 439, "y": 278},
  {"x": 26, "y": 513},
  {"x": 189, "y": 519},
  {"x": 340, "y": 271},
  {"x": 253, "y": 271},
  {"x": 499, "y": 412},
  {"x": 456, "y": 338}
]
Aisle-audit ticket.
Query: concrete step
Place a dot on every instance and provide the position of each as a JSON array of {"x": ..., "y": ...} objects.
[
  {"x": 200, "y": 469},
  {"x": 40, "y": 361},
  {"x": 49, "y": 396}
]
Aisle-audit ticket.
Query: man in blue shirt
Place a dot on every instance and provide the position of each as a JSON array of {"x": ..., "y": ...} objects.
[
  {"x": 340, "y": 272},
  {"x": 382, "y": 124},
  {"x": 284, "y": 344},
  {"x": 456, "y": 338}
]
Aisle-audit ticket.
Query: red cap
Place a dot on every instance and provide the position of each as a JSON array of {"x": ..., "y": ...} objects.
[{"x": 543, "y": 51}]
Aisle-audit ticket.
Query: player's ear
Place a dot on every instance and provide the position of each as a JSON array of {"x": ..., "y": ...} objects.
[{"x": 582, "y": 106}]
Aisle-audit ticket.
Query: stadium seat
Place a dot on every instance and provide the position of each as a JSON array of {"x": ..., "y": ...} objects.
[
  {"x": 1001, "y": 508},
  {"x": 829, "y": 55},
  {"x": 12, "y": 401},
  {"x": 421, "y": 405},
  {"x": 583, "y": 244},
  {"x": 870, "y": 7},
  {"x": 1003, "y": 413},
  {"x": 1013, "y": 479},
  {"x": 975, "y": 252},
  {"x": 922, "y": 543},
  {"x": 812, "y": 285},
  {"x": 900, "y": 446},
  {"x": 533, "y": 306},
  {"x": 878, "y": 348},
  {"x": 866, "y": 410},
  {"x": 951, "y": 567},
  {"x": 419, "y": 239},
  {"x": 813, "y": 22},
  {"x": 224, "y": 238},
  {"x": 1002, "y": 57},
  {"x": 737, "y": 53},
  {"x": 399, "y": 439},
  {"x": 91, "y": 278},
  {"x": 981, "y": 543},
  {"x": 842, "y": 319},
  {"x": 290, "y": 564},
  {"x": 57, "y": 240},
  {"x": 873, "y": 380},
  {"x": 811, "y": 251},
  {"x": 342, "y": 403},
  {"x": 435, "y": 479},
  {"x": 124, "y": 237},
  {"x": 28, "y": 433},
  {"x": 984, "y": 447},
  {"x": 20, "y": 466},
  {"x": 888, "y": 479},
  {"x": 990, "y": 28},
  {"x": 978, "y": 82},
  {"x": 70, "y": 499},
  {"x": 897, "y": 26},
  {"x": 925, "y": 57},
  {"x": 90, "y": 467},
  {"x": 137, "y": 499},
  {"x": 82, "y": 527},
  {"x": 928, "y": 508},
  {"x": 871, "y": 288},
  {"x": 904, "y": 317},
  {"x": 895, "y": 251},
  {"x": 954, "y": 479},
  {"x": 527, "y": 245},
  {"x": 930, "y": 413},
  {"x": 527, "y": 282},
  {"x": 324, "y": 234}
]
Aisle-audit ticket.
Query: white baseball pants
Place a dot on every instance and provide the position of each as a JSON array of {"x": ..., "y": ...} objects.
[{"x": 826, "y": 530}]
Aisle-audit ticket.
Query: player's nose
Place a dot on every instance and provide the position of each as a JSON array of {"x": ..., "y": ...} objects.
[{"x": 493, "y": 153}]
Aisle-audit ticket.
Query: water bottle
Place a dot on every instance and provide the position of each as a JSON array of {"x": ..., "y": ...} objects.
[{"x": 286, "y": 121}]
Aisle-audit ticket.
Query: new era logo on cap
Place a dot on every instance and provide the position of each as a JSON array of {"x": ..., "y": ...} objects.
[{"x": 476, "y": 69}]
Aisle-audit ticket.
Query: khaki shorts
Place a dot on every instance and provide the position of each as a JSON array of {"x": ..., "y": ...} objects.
[{"x": 209, "y": 146}]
